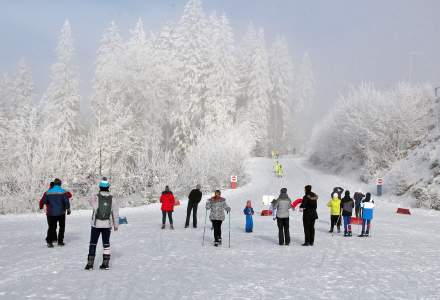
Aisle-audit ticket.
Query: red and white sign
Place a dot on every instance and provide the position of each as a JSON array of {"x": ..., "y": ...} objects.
[
  {"x": 234, "y": 180},
  {"x": 379, "y": 181}
]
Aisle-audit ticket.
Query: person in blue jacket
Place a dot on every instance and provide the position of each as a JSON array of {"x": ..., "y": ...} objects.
[
  {"x": 57, "y": 204},
  {"x": 249, "y": 211},
  {"x": 367, "y": 208}
]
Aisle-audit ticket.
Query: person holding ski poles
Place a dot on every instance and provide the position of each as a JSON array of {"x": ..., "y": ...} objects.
[
  {"x": 308, "y": 207},
  {"x": 218, "y": 206},
  {"x": 367, "y": 214},
  {"x": 282, "y": 206},
  {"x": 347, "y": 205},
  {"x": 194, "y": 198},
  {"x": 105, "y": 216},
  {"x": 335, "y": 212}
]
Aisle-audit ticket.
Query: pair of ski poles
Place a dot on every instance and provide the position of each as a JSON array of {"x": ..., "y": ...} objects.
[{"x": 229, "y": 229}]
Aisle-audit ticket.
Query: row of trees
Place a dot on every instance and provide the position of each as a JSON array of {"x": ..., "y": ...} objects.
[
  {"x": 370, "y": 129},
  {"x": 185, "y": 105}
]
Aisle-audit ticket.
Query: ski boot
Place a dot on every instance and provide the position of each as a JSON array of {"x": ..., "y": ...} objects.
[
  {"x": 90, "y": 261},
  {"x": 105, "y": 261}
]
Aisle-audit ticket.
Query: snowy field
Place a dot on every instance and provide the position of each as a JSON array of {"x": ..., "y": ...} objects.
[{"x": 399, "y": 261}]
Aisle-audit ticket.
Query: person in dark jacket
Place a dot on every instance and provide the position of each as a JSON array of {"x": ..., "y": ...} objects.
[
  {"x": 358, "y": 196},
  {"x": 308, "y": 207},
  {"x": 57, "y": 203},
  {"x": 282, "y": 206},
  {"x": 347, "y": 205},
  {"x": 194, "y": 198}
]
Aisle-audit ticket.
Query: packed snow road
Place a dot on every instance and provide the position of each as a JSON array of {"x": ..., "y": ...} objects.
[{"x": 399, "y": 261}]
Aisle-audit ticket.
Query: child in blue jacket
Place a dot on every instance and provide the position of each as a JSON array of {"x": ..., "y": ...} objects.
[
  {"x": 249, "y": 211},
  {"x": 367, "y": 208}
]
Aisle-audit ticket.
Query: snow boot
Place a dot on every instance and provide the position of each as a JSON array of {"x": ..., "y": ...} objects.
[
  {"x": 90, "y": 261},
  {"x": 345, "y": 233},
  {"x": 171, "y": 226},
  {"x": 186, "y": 226},
  {"x": 349, "y": 233},
  {"x": 305, "y": 244},
  {"x": 163, "y": 226},
  {"x": 61, "y": 243},
  {"x": 50, "y": 245},
  {"x": 216, "y": 243},
  {"x": 105, "y": 261},
  {"x": 362, "y": 234}
]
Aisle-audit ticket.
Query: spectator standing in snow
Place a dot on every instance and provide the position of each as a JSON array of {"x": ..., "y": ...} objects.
[
  {"x": 282, "y": 206},
  {"x": 249, "y": 212},
  {"x": 367, "y": 214},
  {"x": 218, "y": 206},
  {"x": 168, "y": 202},
  {"x": 105, "y": 216},
  {"x": 194, "y": 198},
  {"x": 335, "y": 212},
  {"x": 308, "y": 206},
  {"x": 358, "y": 196},
  {"x": 347, "y": 205},
  {"x": 57, "y": 204}
]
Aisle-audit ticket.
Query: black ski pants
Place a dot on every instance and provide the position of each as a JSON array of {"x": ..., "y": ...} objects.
[
  {"x": 283, "y": 231},
  {"x": 164, "y": 217},
  {"x": 192, "y": 206},
  {"x": 94, "y": 237},
  {"x": 309, "y": 230},
  {"x": 217, "y": 224},
  {"x": 335, "y": 220},
  {"x": 52, "y": 222}
]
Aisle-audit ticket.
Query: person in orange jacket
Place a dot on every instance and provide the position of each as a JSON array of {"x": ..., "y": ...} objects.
[{"x": 168, "y": 201}]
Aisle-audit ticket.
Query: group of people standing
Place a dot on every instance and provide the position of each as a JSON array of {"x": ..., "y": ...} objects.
[{"x": 343, "y": 207}]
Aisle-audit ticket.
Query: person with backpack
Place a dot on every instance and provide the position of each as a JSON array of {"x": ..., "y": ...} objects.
[
  {"x": 367, "y": 208},
  {"x": 168, "y": 201},
  {"x": 282, "y": 206},
  {"x": 308, "y": 207},
  {"x": 194, "y": 198},
  {"x": 105, "y": 216},
  {"x": 57, "y": 204},
  {"x": 335, "y": 212},
  {"x": 358, "y": 196},
  {"x": 218, "y": 206},
  {"x": 249, "y": 212},
  {"x": 347, "y": 205}
]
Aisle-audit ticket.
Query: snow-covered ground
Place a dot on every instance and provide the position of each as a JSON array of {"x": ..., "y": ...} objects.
[{"x": 400, "y": 260}]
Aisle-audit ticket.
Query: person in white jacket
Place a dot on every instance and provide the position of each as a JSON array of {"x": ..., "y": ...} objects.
[{"x": 105, "y": 216}]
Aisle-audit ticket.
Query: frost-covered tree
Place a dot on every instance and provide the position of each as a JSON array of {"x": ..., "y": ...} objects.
[
  {"x": 61, "y": 109},
  {"x": 255, "y": 85},
  {"x": 281, "y": 102}
]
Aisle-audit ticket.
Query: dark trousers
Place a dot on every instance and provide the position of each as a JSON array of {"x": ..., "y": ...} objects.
[
  {"x": 52, "y": 222},
  {"x": 94, "y": 237},
  {"x": 192, "y": 205},
  {"x": 366, "y": 223},
  {"x": 357, "y": 210},
  {"x": 217, "y": 224},
  {"x": 164, "y": 217},
  {"x": 335, "y": 220},
  {"x": 309, "y": 230},
  {"x": 283, "y": 231}
]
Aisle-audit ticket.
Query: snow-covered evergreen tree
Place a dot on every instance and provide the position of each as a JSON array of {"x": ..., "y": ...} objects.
[{"x": 61, "y": 109}]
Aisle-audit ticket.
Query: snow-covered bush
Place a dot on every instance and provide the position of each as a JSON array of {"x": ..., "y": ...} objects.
[{"x": 370, "y": 129}]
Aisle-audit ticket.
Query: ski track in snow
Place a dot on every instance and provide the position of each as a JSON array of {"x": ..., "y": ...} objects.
[{"x": 399, "y": 261}]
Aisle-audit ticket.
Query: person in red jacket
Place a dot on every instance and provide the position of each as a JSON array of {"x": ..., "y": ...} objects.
[
  {"x": 41, "y": 203},
  {"x": 168, "y": 202}
]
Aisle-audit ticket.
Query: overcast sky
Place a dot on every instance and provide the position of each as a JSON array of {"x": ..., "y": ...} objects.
[{"x": 349, "y": 41}]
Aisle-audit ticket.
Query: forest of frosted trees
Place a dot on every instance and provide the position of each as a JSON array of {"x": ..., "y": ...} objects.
[{"x": 180, "y": 106}]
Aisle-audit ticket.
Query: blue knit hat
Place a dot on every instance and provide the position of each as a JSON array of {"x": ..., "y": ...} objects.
[{"x": 104, "y": 183}]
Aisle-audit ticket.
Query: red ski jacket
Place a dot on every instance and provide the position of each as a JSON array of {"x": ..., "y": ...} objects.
[{"x": 168, "y": 201}]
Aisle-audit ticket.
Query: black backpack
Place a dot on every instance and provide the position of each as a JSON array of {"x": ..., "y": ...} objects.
[{"x": 104, "y": 210}]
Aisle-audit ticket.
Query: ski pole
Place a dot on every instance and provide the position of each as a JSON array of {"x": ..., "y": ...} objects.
[
  {"x": 204, "y": 227},
  {"x": 229, "y": 229}
]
